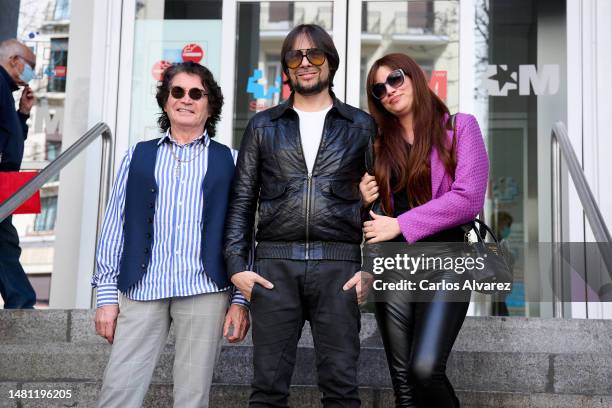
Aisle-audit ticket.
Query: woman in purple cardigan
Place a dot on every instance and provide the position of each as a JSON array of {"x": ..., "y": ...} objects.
[{"x": 428, "y": 183}]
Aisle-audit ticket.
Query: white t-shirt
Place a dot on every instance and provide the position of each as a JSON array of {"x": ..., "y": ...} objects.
[{"x": 311, "y": 131}]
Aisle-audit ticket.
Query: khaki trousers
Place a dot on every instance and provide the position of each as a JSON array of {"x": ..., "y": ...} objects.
[{"x": 142, "y": 331}]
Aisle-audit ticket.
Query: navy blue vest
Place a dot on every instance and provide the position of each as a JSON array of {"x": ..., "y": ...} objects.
[{"x": 140, "y": 197}]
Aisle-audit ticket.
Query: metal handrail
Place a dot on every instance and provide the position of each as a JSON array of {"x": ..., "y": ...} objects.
[
  {"x": 561, "y": 148},
  {"x": 53, "y": 168}
]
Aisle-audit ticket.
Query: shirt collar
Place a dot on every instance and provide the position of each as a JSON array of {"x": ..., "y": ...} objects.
[
  {"x": 11, "y": 83},
  {"x": 168, "y": 138},
  {"x": 280, "y": 109}
]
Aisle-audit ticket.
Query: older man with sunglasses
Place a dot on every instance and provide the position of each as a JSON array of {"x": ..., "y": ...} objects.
[
  {"x": 161, "y": 247},
  {"x": 300, "y": 163}
]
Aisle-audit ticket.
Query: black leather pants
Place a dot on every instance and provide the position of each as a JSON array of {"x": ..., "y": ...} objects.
[
  {"x": 418, "y": 337},
  {"x": 305, "y": 290}
]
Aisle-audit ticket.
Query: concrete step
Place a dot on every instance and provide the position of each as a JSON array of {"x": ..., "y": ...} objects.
[
  {"x": 497, "y": 362},
  {"x": 493, "y": 334},
  {"x": 584, "y": 373},
  {"x": 84, "y": 394}
]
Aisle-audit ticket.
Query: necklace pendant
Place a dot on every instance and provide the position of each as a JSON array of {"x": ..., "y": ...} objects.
[{"x": 177, "y": 171}]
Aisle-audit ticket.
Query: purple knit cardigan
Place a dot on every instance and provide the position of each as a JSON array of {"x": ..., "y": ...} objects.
[{"x": 453, "y": 202}]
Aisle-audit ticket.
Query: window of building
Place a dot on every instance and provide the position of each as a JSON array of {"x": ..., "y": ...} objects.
[
  {"x": 188, "y": 9},
  {"x": 281, "y": 12},
  {"x": 58, "y": 61},
  {"x": 45, "y": 221},
  {"x": 41, "y": 283},
  {"x": 52, "y": 150},
  {"x": 62, "y": 10},
  {"x": 421, "y": 15}
]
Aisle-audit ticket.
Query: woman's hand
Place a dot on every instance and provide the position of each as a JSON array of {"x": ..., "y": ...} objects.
[
  {"x": 381, "y": 228},
  {"x": 368, "y": 189}
]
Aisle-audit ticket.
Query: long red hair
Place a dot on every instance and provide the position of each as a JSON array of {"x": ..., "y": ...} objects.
[{"x": 409, "y": 166}]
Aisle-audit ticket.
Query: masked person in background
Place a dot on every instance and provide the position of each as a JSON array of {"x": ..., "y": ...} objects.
[{"x": 17, "y": 63}]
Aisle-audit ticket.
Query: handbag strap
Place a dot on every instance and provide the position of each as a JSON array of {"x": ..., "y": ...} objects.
[
  {"x": 369, "y": 157},
  {"x": 482, "y": 226}
]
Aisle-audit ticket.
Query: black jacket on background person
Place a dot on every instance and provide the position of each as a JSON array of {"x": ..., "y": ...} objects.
[
  {"x": 301, "y": 216},
  {"x": 13, "y": 128},
  {"x": 15, "y": 288}
]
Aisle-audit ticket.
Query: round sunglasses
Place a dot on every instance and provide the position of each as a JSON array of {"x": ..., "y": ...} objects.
[
  {"x": 194, "y": 93},
  {"x": 294, "y": 58},
  {"x": 395, "y": 79}
]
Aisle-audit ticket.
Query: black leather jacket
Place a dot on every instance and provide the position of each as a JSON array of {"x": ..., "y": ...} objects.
[{"x": 301, "y": 216}]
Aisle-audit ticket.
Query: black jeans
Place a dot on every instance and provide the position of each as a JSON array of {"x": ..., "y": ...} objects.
[
  {"x": 305, "y": 290},
  {"x": 418, "y": 338},
  {"x": 15, "y": 287}
]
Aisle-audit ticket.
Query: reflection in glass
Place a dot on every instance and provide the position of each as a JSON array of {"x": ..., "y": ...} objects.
[
  {"x": 168, "y": 32},
  {"x": 428, "y": 31},
  {"x": 261, "y": 29}
]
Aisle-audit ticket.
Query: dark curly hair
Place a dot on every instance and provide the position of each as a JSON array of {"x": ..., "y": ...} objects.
[{"x": 215, "y": 97}]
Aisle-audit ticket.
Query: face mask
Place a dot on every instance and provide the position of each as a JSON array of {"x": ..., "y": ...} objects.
[
  {"x": 505, "y": 232},
  {"x": 28, "y": 73}
]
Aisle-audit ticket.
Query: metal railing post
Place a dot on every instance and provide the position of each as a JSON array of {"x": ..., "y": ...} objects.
[
  {"x": 561, "y": 149},
  {"x": 557, "y": 232}
]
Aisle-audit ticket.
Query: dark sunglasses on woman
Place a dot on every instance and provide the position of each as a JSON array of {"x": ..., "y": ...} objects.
[
  {"x": 194, "y": 93},
  {"x": 395, "y": 79},
  {"x": 294, "y": 58}
]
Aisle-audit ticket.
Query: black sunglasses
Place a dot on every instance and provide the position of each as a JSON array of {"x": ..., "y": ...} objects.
[
  {"x": 194, "y": 93},
  {"x": 294, "y": 58},
  {"x": 395, "y": 79}
]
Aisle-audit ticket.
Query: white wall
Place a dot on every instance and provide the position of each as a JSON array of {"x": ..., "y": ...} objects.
[
  {"x": 91, "y": 97},
  {"x": 70, "y": 195},
  {"x": 596, "y": 112}
]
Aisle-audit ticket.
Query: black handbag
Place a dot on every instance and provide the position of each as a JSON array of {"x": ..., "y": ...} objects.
[{"x": 496, "y": 276}]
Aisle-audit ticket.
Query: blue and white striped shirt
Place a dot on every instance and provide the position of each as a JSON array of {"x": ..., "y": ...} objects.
[{"x": 176, "y": 267}]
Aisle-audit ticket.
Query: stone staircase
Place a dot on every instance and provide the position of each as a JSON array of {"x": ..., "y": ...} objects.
[{"x": 496, "y": 362}]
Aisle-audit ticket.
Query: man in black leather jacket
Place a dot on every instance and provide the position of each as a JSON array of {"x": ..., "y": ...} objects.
[{"x": 300, "y": 163}]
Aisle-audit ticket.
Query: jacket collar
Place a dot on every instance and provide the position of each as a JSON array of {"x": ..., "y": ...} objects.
[
  {"x": 12, "y": 85},
  {"x": 282, "y": 108}
]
